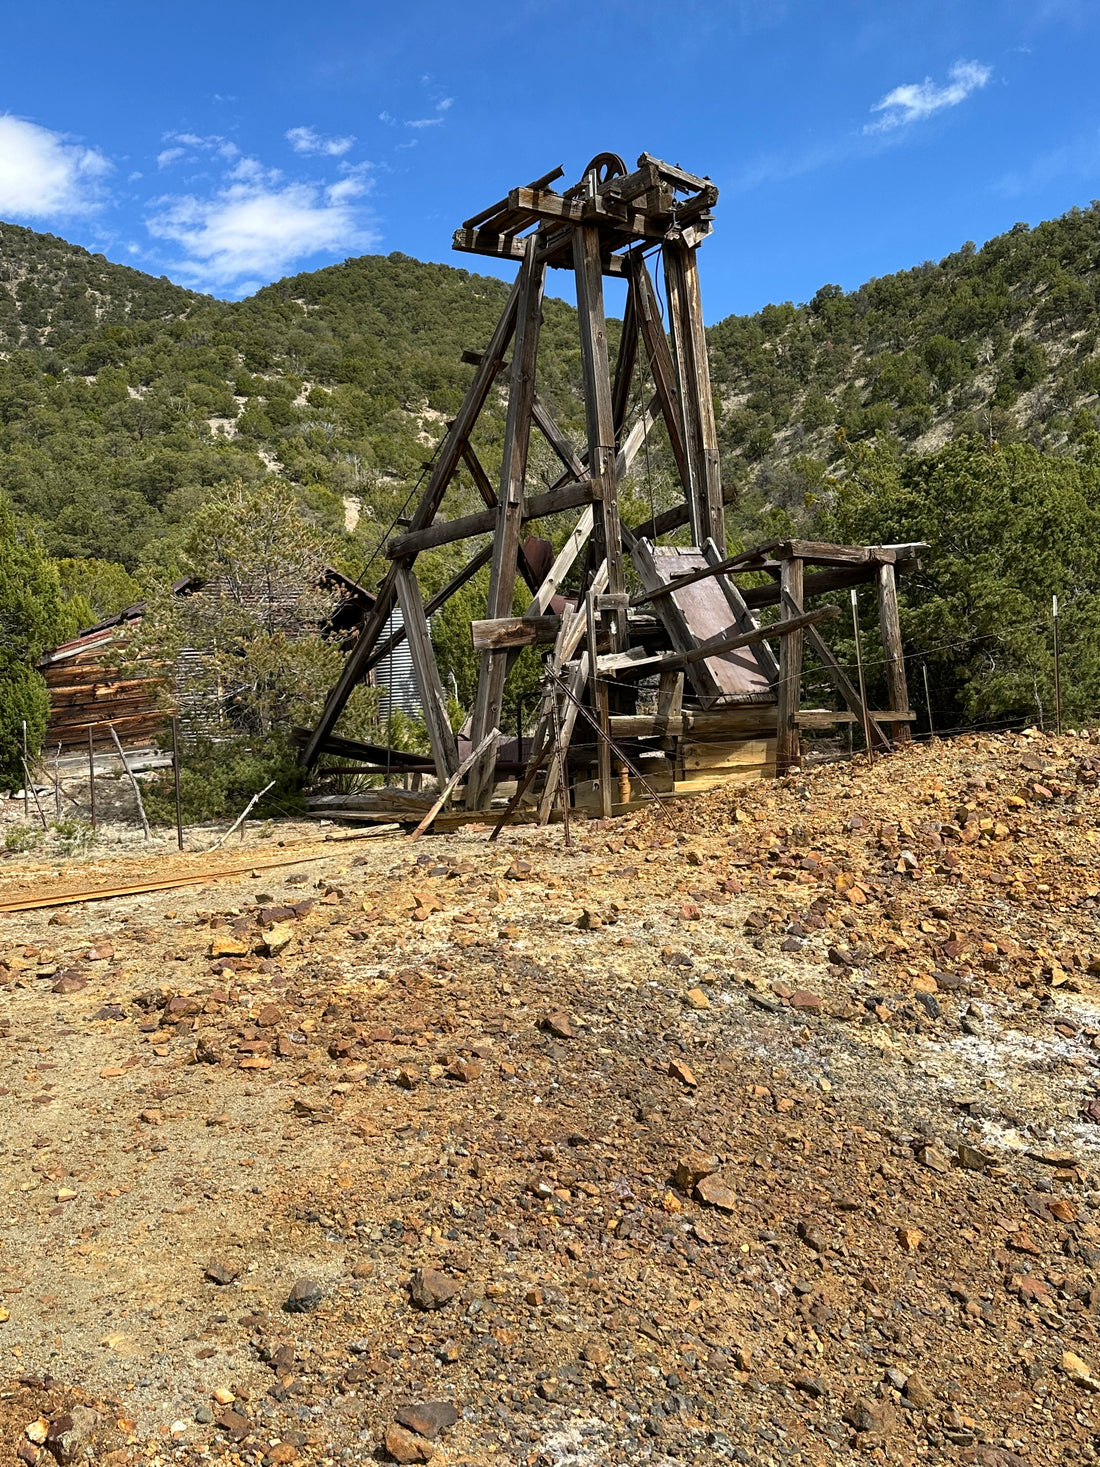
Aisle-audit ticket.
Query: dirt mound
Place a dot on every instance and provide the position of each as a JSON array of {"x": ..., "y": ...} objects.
[{"x": 767, "y": 1136}]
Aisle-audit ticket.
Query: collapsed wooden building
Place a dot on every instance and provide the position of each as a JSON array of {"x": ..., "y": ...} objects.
[{"x": 664, "y": 680}]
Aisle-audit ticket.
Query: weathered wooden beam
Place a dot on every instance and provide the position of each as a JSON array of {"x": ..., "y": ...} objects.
[
  {"x": 789, "y": 688},
  {"x": 484, "y": 521},
  {"x": 624, "y": 364},
  {"x": 510, "y": 513},
  {"x": 514, "y": 631},
  {"x": 449, "y": 455},
  {"x": 432, "y": 698},
  {"x": 601, "y": 708},
  {"x": 383, "y": 649},
  {"x": 557, "y": 440},
  {"x": 638, "y": 663},
  {"x": 599, "y": 415},
  {"x": 837, "y": 676},
  {"x": 661, "y": 364},
  {"x": 818, "y": 552},
  {"x": 689, "y": 350},
  {"x": 890, "y": 625},
  {"x": 485, "y": 489},
  {"x": 821, "y": 583},
  {"x": 478, "y": 242},
  {"x": 563, "y": 563},
  {"x": 539, "y": 183}
]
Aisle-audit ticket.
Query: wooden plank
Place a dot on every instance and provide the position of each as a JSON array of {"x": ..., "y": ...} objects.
[
  {"x": 661, "y": 366},
  {"x": 383, "y": 649},
  {"x": 449, "y": 788},
  {"x": 397, "y": 759},
  {"x": 789, "y": 689},
  {"x": 513, "y": 632},
  {"x": 742, "y": 617},
  {"x": 480, "y": 242},
  {"x": 486, "y": 521},
  {"x": 891, "y": 646},
  {"x": 601, "y": 710},
  {"x": 440, "y": 734},
  {"x": 819, "y": 552},
  {"x": 557, "y": 440},
  {"x": 674, "y": 620},
  {"x": 624, "y": 364},
  {"x": 837, "y": 676},
  {"x": 563, "y": 563},
  {"x": 599, "y": 416},
  {"x": 733, "y": 755},
  {"x": 638, "y": 663},
  {"x": 573, "y": 628},
  {"x": 485, "y": 489},
  {"x": 449, "y": 455},
  {"x": 539, "y": 183},
  {"x": 510, "y": 511},
  {"x": 820, "y": 583}
]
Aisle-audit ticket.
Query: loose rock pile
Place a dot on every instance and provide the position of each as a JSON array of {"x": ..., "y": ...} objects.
[{"x": 768, "y": 1138}]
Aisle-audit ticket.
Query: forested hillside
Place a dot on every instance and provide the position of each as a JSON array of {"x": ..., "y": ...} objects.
[
  {"x": 952, "y": 402},
  {"x": 123, "y": 399},
  {"x": 999, "y": 343}
]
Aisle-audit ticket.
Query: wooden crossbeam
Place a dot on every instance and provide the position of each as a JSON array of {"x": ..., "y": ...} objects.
[
  {"x": 510, "y": 514},
  {"x": 661, "y": 364},
  {"x": 450, "y": 454},
  {"x": 637, "y": 663},
  {"x": 837, "y": 676},
  {"x": 432, "y": 697}
]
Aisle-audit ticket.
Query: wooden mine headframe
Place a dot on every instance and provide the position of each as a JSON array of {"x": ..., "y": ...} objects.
[
  {"x": 690, "y": 619},
  {"x": 602, "y": 226}
]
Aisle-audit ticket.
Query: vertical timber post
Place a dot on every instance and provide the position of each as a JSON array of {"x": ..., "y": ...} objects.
[
  {"x": 598, "y": 409},
  {"x": 91, "y": 778},
  {"x": 891, "y": 645},
  {"x": 685, "y": 310},
  {"x": 601, "y": 711},
  {"x": 502, "y": 572},
  {"x": 787, "y": 753},
  {"x": 176, "y": 780}
]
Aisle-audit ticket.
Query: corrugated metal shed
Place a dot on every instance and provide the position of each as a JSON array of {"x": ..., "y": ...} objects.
[{"x": 396, "y": 676}]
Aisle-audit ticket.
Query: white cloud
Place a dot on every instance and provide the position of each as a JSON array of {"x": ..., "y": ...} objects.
[
  {"x": 308, "y": 140},
  {"x": 185, "y": 142},
  {"x": 43, "y": 174},
  {"x": 914, "y": 101},
  {"x": 252, "y": 230}
]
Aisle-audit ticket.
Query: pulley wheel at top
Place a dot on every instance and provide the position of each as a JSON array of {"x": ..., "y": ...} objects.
[{"x": 606, "y": 166}]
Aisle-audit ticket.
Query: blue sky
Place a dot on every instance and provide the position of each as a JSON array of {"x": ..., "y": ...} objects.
[{"x": 226, "y": 145}]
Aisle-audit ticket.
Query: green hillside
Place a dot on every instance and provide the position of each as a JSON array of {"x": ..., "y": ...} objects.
[
  {"x": 999, "y": 343},
  {"x": 124, "y": 399}
]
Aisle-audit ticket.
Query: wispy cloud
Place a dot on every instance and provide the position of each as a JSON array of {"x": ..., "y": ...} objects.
[
  {"x": 914, "y": 101},
  {"x": 44, "y": 174},
  {"x": 257, "y": 226},
  {"x": 309, "y": 140},
  {"x": 188, "y": 144},
  {"x": 438, "y": 118}
]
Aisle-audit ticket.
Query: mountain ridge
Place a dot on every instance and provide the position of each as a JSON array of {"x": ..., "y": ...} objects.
[{"x": 124, "y": 398}]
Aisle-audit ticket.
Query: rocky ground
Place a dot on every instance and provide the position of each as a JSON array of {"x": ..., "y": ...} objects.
[{"x": 766, "y": 1132}]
